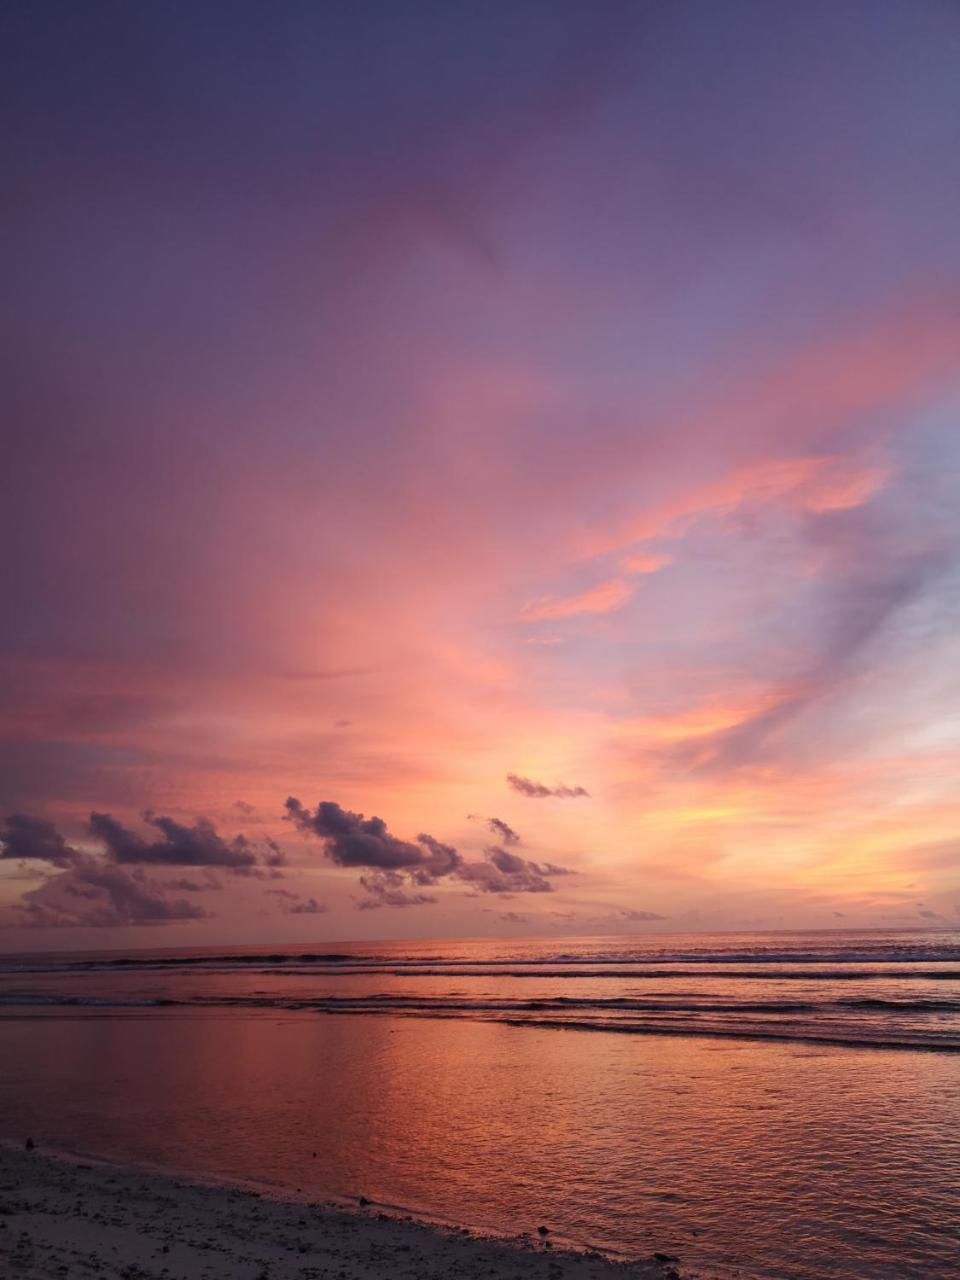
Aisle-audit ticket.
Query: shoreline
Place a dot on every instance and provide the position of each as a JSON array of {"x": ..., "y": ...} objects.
[{"x": 63, "y": 1215}]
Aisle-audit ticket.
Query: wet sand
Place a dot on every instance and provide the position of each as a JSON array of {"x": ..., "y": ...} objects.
[{"x": 65, "y": 1218}]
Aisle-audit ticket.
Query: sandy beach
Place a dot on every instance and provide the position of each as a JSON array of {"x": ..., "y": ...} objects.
[{"x": 62, "y": 1217}]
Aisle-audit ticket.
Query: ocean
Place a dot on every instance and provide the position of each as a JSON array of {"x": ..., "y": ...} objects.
[{"x": 772, "y": 1106}]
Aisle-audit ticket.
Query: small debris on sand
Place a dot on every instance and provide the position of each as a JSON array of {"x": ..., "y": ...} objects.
[{"x": 63, "y": 1218}]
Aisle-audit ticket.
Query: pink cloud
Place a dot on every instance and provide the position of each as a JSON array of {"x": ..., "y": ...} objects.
[
  {"x": 606, "y": 597},
  {"x": 643, "y": 562}
]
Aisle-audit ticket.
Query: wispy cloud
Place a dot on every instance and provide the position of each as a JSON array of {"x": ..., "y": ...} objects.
[
  {"x": 606, "y": 597},
  {"x": 539, "y": 790}
]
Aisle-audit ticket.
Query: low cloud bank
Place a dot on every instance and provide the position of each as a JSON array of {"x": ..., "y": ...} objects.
[
  {"x": 399, "y": 868},
  {"x": 94, "y": 893},
  {"x": 113, "y": 889}
]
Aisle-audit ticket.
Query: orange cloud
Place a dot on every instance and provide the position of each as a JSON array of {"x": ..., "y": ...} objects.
[
  {"x": 814, "y": 484},
  {"x": 603, "y": 598},
  {"x": 703, "y": 721}
]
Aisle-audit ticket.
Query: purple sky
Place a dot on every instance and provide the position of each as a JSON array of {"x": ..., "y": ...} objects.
[{"x": 401, "y": 398}]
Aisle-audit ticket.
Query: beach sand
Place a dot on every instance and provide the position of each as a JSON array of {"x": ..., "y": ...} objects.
[{"x": 66, "y": 1218}]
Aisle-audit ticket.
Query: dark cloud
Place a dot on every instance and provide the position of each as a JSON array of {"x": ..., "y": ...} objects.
[
  {"x": 511, "y": 863},
  {"x": 193, "y": 884},
  {"x": 538, "y": 791},
  {"x": 94, "y": 893},
  {"x": 386, "y": 889},
  {"x": 100, "y": 892},
  {"x": 505, "y": 872},
  {"x": 503, "y": 830},
  {"x": 24, "y": 837},
  {"x": 273, "y": 856},
  {"x": 196, "y": 846},
  {"x": 351, "y": 840},
  {"x": 295, "y": 904},
  {"x": 442, "y": 859},
  {"x": 308, "y": 907},
  {"x": 551, "y": 869},
  {"x": 97, "y": 891},
  {"x": 258, "y": 873}
]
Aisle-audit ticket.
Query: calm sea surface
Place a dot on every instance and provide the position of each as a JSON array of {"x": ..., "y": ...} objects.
[{"x": 762, "y": 1105}]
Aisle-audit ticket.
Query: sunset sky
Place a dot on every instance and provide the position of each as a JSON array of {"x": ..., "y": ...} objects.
[{"x": 534, "y": 412}]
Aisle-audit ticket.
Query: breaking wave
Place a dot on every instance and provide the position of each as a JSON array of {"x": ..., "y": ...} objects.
[{"x": 877, "y": 991}]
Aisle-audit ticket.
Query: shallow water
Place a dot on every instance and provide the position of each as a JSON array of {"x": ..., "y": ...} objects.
[{"x": 749, "y": 1120}]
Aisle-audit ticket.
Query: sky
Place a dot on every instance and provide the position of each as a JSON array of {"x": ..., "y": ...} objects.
[{"x": 478, "y": 470}]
